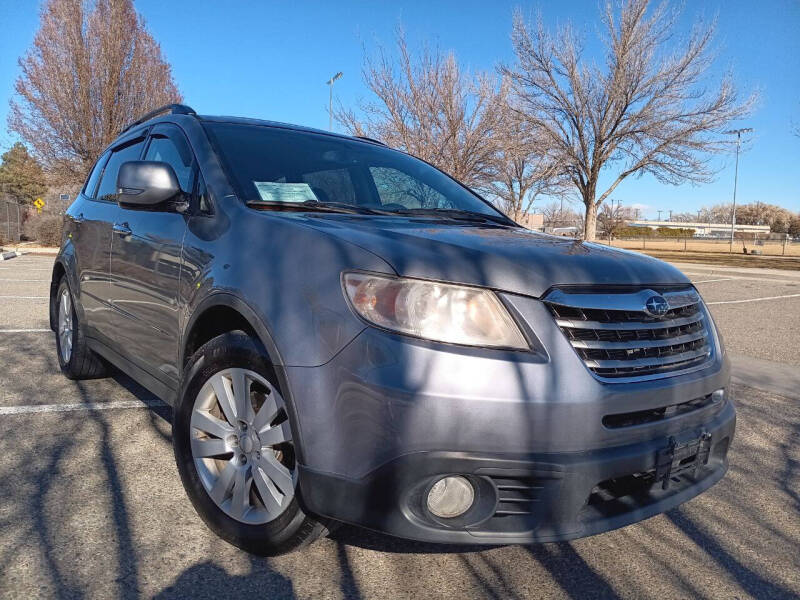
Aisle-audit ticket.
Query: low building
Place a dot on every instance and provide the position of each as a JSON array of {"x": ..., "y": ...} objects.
[
  {"x": 706, "y": 229},
  {"x": 532, "y": 221}
]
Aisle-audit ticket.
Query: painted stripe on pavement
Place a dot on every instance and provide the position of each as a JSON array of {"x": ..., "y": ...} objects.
[
  {"x": 89, "y": 406},
  {"x": 754, "y": 299},
  {"x": 712, "y": 280}
]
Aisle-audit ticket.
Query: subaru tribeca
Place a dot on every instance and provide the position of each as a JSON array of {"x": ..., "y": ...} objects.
[{"x": 347, "y": 334}]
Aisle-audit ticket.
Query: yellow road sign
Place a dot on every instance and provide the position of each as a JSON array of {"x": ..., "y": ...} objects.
[{"x": 39, "y": 204}]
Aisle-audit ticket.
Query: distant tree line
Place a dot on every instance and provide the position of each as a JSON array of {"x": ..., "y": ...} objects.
[
  {"x": 779, "y": 219},
  {"x": 628, "y": 231}
]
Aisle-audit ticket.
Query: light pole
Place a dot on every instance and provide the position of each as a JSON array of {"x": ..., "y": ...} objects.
[
  {"x": 330, "y": 99},
  {"x": 738, "y": 133}
]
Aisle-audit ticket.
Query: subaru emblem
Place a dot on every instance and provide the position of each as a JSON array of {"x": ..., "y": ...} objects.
[{"x": 656, "y": 306}]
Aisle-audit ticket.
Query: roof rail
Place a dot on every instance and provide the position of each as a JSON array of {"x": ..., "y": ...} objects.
[
  {"x": 173, "y": 109},
  {"x": 369, "y": 139}
]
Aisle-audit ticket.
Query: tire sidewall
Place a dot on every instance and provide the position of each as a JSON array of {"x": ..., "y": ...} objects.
[
  {"x": 66, "y": 367},
  {"x": 227, "y": 351}
]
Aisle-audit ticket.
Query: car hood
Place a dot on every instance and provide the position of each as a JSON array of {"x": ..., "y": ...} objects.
[{"x": 513, "y": 260}]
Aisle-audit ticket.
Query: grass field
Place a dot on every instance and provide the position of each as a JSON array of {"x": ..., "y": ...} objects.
[{"x": 787, "y": 263}]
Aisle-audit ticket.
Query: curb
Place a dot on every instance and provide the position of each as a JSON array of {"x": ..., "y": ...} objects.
[{"x": 9, "y": 255}]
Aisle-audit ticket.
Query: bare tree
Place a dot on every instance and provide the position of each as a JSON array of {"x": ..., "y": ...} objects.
[
  {"x": 93, "y": 67},
  {"x": 525, "y": 167},
  {"x": 611, "y": 218},
  {"x": 428, "y": 106},
  {"x": 558, "y": 214},
  {"x": 643, "y": 110}
]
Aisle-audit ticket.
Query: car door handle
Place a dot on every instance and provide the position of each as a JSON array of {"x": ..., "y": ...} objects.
[{"x": 121, "y": 228}]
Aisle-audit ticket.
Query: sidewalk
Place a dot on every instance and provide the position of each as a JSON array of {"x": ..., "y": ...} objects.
[
  {"x": 28, "y": 248},
  {"x": 766, "y": 375}
]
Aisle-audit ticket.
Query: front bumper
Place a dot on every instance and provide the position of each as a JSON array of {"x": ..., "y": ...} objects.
[
  {"x": 388, "y": 415},
  {"x": 525, "y": 498}
]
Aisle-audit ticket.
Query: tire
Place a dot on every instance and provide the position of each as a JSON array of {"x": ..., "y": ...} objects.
[
  {"x": 228, "y": 452},
  {"x": 75, "y": 358}
]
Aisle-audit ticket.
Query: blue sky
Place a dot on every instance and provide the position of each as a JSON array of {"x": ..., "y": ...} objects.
[{"x": 271, "y": 60}]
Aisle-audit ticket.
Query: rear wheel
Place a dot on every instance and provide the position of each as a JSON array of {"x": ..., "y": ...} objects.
[
  {"x": 235, "y": 450},
  {"x": 75, "y": 358}
]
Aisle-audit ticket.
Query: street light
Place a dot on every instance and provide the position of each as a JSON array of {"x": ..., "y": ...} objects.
[
  {"x": 738, "y": 133},
  {"x": 330, "y": 99}
]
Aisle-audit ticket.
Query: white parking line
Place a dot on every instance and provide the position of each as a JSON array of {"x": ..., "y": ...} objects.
[
  {"x": 713, "y": 280},
  {"x": 45, "y": 408},
  {"x": 788, "y": 280},
  {"x": 24, "y": 330},
  {"x": 24, "y": 298},
  {"x": 25, "y": 280},
  {"x": 755, "y": 299}
]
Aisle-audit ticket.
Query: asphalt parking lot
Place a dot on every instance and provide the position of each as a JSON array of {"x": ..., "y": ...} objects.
[{"x": 91, "y": 504}]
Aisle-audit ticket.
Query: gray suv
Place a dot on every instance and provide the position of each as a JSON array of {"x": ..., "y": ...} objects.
[{"x": 347, "y": 334}]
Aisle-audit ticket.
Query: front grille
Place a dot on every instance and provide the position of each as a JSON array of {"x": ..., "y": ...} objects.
[{"x": 616, "y": 337}]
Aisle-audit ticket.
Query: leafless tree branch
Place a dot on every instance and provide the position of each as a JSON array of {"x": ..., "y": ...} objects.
[
  {"x": 93, "y": 67},
  {"x": 644, "y": 110},
  {"x": 427, "y": 105}
]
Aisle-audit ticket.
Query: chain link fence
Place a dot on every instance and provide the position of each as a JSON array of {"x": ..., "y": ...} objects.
[{"x": 780, "y": 247}]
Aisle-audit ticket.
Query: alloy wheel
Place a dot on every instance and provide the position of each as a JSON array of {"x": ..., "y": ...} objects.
[
  {"x": 65, "y": 325},
  {"x": 242, "y": 448}
]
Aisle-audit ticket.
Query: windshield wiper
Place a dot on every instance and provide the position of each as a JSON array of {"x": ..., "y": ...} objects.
[
  {"x": 313, "y": 206},
  {"x": 459, "y": 214}
]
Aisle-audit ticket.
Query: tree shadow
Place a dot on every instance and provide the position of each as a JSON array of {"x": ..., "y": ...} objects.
[
  {"x": 215, "y": 582},
  {"x": 571, "y": 571},
  {"x": 754, "y": 583}
]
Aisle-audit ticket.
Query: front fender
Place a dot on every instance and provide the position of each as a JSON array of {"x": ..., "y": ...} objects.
[{"x": 65, "y": 264}]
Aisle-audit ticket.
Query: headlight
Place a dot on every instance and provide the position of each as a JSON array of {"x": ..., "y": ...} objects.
[{"x": 434, "y": 311}]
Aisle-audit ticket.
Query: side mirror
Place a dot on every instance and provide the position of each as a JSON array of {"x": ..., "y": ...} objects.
[{"x": 146, "y": 183}]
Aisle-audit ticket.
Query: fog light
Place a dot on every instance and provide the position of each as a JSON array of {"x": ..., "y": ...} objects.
[{"x": 451, "y": 497}]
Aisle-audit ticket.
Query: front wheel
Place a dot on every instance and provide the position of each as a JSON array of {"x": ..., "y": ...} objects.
[{"x": 235, "y": 451}]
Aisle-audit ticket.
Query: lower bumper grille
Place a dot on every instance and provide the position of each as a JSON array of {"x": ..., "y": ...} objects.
[
  {"x": 631, "y": 334},
  {"x": 653, "y": 415},
  {"x": 517, "y": 496}
]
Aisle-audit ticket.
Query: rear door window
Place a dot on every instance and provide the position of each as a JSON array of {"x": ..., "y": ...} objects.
[{"x": 108, "y": 184}]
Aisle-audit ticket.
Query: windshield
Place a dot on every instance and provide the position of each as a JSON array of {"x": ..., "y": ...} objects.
[{"x": 280, "y": 167}]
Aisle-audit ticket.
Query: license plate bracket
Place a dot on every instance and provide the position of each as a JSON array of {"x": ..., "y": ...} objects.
[{"x": 677, "y": 458}]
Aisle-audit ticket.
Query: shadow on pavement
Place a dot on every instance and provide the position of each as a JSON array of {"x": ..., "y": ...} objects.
[{"x": 207, "y": 580}]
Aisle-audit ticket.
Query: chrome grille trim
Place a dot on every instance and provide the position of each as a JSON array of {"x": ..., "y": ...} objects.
[
  {"x": 648, "y": 362},
  {"x": 617, "y": 337},
  {"x": 601, "y": 345},
  {"x": 628, "y": 326}
]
